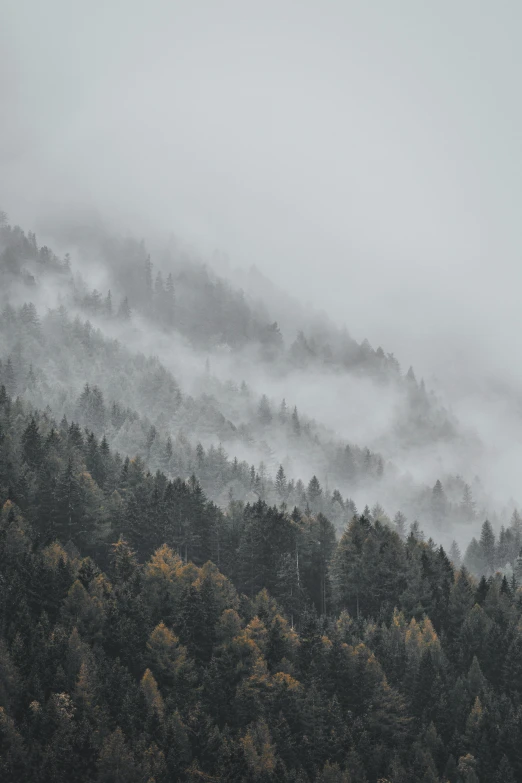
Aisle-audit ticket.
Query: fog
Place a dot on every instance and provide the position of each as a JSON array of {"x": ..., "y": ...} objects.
[{"x": 364, "y": 158}]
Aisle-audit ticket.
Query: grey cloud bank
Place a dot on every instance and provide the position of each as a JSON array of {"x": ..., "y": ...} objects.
[{"x": 364, "y": 156}]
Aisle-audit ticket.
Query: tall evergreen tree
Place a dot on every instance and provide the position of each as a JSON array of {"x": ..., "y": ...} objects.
[
  {"x": 280, "y": 482},
  {"x": 439, "y": 504},
  {"x": 487, "y": 545},
  {"x": 32, "y": 444}
]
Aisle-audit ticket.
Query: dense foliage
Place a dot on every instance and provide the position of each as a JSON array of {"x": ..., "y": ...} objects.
[
  {"x": 172, "y": 613},
  {"x": 127, "y": 655},
  {"x": 90, "y": 371}
]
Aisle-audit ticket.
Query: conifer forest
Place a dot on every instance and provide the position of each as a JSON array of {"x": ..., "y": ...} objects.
[
  {"x": 171, "y": 612},
  {"x": 260, "y": 391}
]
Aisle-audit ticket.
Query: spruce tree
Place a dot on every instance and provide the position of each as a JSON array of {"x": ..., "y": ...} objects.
[
  {"x": 314, "y": 492},
  {"x": 467, "y": 505},
  {"x": 439, "y": 504},
  {"x": 280, "y": 482},
  {"x": 32, "y": 444},
  {"x": 487, "y": 545}
]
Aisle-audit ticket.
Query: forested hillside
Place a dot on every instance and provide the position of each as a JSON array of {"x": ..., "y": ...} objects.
[
  {"x": 201, "y": 580},
  {"x": 232, "y": 388},
  {"x": 147, "y": 635}
]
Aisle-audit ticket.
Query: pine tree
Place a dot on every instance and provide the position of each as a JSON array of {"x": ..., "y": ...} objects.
[
  {"x": 280, "y": 482},
  {"x": 487, "y": 545},
  {"x": 324, "y": 534},
  {"x": 505, "y": 551},
  {"x": 29, "y": 317},
  {"x": 504, "y": 772},
  {"x": 92, "y": 410},
  {"x": 9, "y": 378},
  {"x": 516, "y": 527},
  {"x": 152, "y": 696},
  {"x": 70, "y": 519},
  {"x": 439, "y": 504},
  {"x": 474, "y": 558},
  {"x": 399, "y": 521},
  {"x": 46, "y": 493},
  {"x": 124, "y": 562},
  {"x": 410, "y": 376},
  {"x": 4, "y": 399},
  {"x": 168, "y": 660},
  {"x": 314, "y": 492},
  {"x": 348, "y": 572},
  {"x": 467, "y": 505},
  {"x": 94, "y": 460},
  {"x": 517, "y": 570},
  {"x": 32, "y": 444},
  {"x": 195, "y": 621},
  {"x": 455, "y": 554},
  {"x": 150, "y": 438},
  {"x": 116, "y": 762}
]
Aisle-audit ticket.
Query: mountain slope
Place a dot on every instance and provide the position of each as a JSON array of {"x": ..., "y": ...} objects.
[
  {"x": 137, "y": 665},
  {"x": 169, "y": 351}
]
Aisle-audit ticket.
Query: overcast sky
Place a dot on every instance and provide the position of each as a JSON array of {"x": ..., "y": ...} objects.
[{"x": 365, "y": 154}]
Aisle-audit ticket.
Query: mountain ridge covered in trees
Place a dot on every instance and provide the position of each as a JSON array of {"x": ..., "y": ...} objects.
[
  {"x": 375, "y": 655},
  {"x": 250, "y": 415},
  {"x": 171, "y": 610}
]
